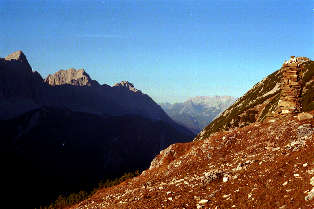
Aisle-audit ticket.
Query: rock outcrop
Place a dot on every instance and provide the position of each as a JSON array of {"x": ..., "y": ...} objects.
[
  {"x": 70, "y": 76},
  {"x": 18, "y": 56},
  {"x": 126, "y": 85},
  {"x": 291, "y": 85}
]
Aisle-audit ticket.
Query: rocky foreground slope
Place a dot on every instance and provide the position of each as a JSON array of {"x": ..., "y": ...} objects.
[
  {"x": 263, "y": 165},
  {"x": 251, "y": 163}
]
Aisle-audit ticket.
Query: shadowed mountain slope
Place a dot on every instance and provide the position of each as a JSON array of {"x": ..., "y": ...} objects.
[
  {"x": 22, "y": 90},
  {"x": 67, "y": 132},
  {"x": 56, "y": 150}
]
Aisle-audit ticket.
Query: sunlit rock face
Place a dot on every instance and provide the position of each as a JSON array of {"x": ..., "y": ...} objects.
[
  {"x": 70, "y": 76},
  {"x": 127, "y": 85}
]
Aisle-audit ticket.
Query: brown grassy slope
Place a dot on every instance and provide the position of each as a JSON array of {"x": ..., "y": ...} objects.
[
  {"x": 262, "y": 165},
  {"x": 261, "y": 100},
  {"x": 251, "y": 107}
]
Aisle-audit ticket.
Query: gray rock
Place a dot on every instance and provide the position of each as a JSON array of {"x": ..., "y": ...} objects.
[
  {"x": 70, "y": 76},
  {"x": 127, "y": 85},
  {"x": 304, "y": 116}
]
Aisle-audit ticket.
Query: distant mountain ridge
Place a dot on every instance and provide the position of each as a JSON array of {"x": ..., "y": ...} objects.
[
  {"x": 67, "y": 132},
  {"x": 197, "y": 112},
  {"x": 23, "y": 90}
]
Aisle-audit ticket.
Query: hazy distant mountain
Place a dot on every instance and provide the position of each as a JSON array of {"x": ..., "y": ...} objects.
[
  {"x": 197, "y": 112},
  {"x": 66, "y": 132},
  {"x": 23, "y": 90}
]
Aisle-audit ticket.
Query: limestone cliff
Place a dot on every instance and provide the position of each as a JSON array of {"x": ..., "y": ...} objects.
[{"x": 70, "y": 76}]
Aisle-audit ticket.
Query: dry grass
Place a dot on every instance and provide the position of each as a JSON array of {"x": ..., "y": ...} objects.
[{"x": 264, "y": 165}]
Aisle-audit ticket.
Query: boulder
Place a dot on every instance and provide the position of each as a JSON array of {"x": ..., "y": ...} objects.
[{"x": 304, "y": 116}]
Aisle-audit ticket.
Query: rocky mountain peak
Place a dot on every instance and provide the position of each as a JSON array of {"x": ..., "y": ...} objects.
[
  {"x": 126, "y": 85},
  {"x": 296, "y": 61},
  {"x": 18, "y": 55},
  {"x": 70, "y": 76}
]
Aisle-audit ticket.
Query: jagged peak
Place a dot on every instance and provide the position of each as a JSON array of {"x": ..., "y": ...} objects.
[
  {"x": 296, "y": 60},
  {"x": 128, "y": 85},
  {"x": 18, "y": 55},
  {"x": 124, "y": 84},
  {"x": 71, "y": 70},
  {"x": 210, "y": 99},
  {"x": 71, "y": 76}
]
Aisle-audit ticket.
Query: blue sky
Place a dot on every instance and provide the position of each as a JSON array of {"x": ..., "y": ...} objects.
[{"x": 170, "y": 49}]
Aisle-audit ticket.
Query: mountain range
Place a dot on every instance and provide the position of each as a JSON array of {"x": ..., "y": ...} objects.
[
  {"x": 257, "y": 154},
  {"x": 23, "y": 89},
  {"x": 67, "y": 132},
  {"x": 197, "y": 112}
]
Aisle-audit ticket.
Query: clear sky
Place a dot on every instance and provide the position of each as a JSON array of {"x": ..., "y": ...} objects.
[{"x": 170, "y": 49}]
